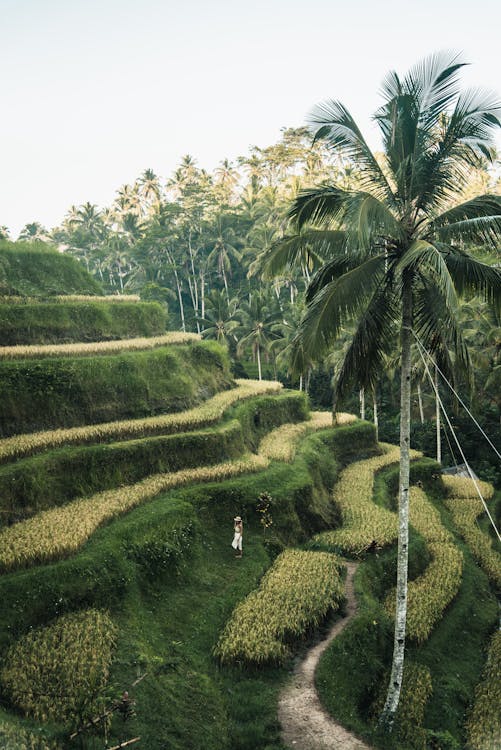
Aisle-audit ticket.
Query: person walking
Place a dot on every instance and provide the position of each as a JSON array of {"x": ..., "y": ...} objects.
[{"x": 237, "y": 537}]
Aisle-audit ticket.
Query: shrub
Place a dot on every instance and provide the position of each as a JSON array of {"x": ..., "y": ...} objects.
[
  {"x": 57, "y": 673},
  {"x": 295, "y": 594}
]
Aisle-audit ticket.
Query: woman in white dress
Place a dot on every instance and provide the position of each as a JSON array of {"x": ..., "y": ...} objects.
[{"x": 237, "y": 538}]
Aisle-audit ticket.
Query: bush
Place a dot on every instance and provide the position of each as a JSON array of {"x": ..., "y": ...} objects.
[{"x": 484, "y": 722}]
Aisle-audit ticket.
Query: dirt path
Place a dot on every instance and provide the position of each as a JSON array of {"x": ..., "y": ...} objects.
[{"x": 305, "y": 724}]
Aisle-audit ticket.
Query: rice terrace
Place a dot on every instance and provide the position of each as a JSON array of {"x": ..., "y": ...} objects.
[{"x": 250, "y": 434}]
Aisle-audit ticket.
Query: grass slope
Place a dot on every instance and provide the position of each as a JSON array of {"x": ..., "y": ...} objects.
[{"x": 34, "y": 268}]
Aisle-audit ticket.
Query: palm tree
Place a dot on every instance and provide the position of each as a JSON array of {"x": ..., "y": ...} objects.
[
  {"x": 393, "y": 248},
  {"x": 220, "y": 321},
  {"x": 33, "y": 232},
  {"x": 260, "y": 323}
]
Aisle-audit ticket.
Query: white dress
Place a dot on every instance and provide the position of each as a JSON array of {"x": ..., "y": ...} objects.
[{"x": 237, "y": 539}]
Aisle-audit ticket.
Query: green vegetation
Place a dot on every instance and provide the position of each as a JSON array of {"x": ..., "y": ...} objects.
[
  {"x": 67, "y": 322},
  {"x": 56, "y": 476},
  {"x": 34, "y": 268},
  {"x": 37, "y": 394}
]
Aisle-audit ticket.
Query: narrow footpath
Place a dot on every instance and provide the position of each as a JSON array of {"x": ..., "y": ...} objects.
[{"x": 305, "y": 724}]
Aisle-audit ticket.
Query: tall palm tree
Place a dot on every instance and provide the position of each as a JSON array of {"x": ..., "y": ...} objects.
[
  {"x": 260, "y": 325},
  {"x": 393, "y": 248}
]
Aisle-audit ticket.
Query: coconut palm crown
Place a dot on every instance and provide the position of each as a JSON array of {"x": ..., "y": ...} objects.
[{"x": 391, "y": 254}]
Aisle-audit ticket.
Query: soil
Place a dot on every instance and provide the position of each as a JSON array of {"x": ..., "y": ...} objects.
[{"x": 305, "y": 723}]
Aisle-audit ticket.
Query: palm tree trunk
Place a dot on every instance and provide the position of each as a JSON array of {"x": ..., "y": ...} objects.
[
  {"x": 374, "y": 410},
  {"x": 259, "y": 361},
  {"x": 437, "y": 412},
  {"x": 397, "y": 667},
  {"x": 420, "y": 402},
  {"x": 361, "y": 397}
]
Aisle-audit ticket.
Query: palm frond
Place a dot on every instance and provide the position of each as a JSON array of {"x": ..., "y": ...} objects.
[
  {"x": 310, "y": 247},
  {"x": 476, "y": 220},
  {"x": 367, "y": 220},
  {"x": 338, "y": 302},
  {"x": 322, "y": 206},
  {"x": 426, "y": 259},
  {"x": 470, "y": 276},
  {"x": 439, "y": 330},
  {"x": 332, "y": 122},
  {"x": 374, "y": 336}
]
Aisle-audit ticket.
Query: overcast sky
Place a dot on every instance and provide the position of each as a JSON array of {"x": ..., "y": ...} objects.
[{"x": 95, "y": 91}]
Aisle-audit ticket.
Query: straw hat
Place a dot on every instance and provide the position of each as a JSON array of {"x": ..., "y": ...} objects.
[{"x": 237, "y": 518}]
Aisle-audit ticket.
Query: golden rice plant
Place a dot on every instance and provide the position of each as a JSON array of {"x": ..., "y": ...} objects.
[
  {"x": 204, "y": 415},
  {"x": 14, "y": 737},
  {"x": 57, "y": 672},
  {"x": 432, "y": 592},
  {"x": 16, "y": 299},
  {"x": 59, "y": 532},
  {"x": 93, "y": 348},
  {"x": 483, "y": 727},
  {"x": 280, "y": 444},
  {"x": 465, "y": 511},
  {"x": 363, "y": 521},
  {"x": 459, "y": 487},
  {"x": 295, "y": 594}
]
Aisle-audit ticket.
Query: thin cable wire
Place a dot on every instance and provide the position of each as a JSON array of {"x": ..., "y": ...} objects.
[
  {"x": 470, "y": 472},
  {"x": 498, "y": 454},
  {"x": 449, "y": 444}
]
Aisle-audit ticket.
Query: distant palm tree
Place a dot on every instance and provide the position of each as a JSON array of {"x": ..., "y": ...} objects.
[
  {"x": 33, "y": 232},
  {"x": 260, "y": 321},
  {"x": 393, "y": 249},
  {"x": 220, "y": 321}
]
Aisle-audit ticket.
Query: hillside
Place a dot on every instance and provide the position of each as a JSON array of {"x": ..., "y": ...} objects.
[{"x": 121, "y": 471}]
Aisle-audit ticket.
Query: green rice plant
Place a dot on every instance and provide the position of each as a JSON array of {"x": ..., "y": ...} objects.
[
  {"x": 59, "y": 532},
  {"x": 364, "y": 522},
  {"x": 93, "y": 348},
  {"x": 204, "y": 415},
  {"x": 280, "y": 444},
  {"x": 429, "y": 594},
  {"x": 483, "y": 727},
  {"x": 295, "y": 594},
  {"x": 58, "y": 672},
  {"x": 465, "y": 507}
]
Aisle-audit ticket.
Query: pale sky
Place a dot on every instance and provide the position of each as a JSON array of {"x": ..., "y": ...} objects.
[{"x": 95, "y": 91}]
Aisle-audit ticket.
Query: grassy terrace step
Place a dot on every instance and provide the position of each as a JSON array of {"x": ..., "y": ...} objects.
[
  {"x": 58, "y": 532},
  {"x": 203, "y": 415},
  {"x": 70, "y": 392},
  {"x": 55, "y": 477},
  {"x": 96, "y": 347},
  {"x": 33, "y": 268},
  {"x": 78, "y": 320}
]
